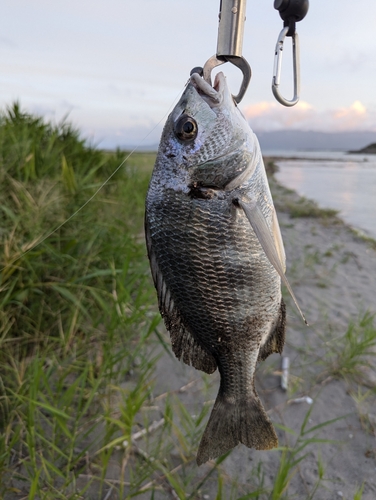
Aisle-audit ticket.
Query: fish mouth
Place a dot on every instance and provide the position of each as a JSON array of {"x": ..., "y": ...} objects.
[{"x": 212, "y": 95}]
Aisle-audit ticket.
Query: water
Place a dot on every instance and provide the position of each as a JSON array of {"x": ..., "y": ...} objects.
[{"x": 335, "y": 180}]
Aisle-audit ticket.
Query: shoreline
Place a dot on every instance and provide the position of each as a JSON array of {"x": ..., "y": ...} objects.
[
  {"x": 356, "y": 213},
  {"x": 302, "y": 158},
  {"x": 325, "y": 156}
]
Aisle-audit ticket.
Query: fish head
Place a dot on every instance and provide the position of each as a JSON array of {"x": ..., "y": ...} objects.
[{"x": 203, "y": 134}]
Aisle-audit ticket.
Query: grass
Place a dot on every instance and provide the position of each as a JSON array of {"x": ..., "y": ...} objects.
[
  {"x": 303, "y": 207},
  {"x": 76, "y": 310},
  {"x": 363, "y": 237},
  {"x": 349, "y": 355},
  {"x": 78, "y": 318},
  {"x": 80, "y": 338},
  {"x": 293, "y": 455}
]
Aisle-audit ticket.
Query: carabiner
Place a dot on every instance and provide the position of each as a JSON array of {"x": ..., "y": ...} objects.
[{"x": 278, "y": 66}]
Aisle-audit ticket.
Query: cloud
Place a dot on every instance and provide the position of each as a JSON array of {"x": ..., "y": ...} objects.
[{"x": 269, "y": 116}]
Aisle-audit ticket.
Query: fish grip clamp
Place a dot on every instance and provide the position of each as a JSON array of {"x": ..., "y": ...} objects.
[
  {"x": 240, "y": 62},
  {"x": 229, "y": 44},
  {"x": 291, "y": 11}
]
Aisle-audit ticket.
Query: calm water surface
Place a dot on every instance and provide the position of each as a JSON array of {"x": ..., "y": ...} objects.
[{"x": 335, "y": 180}]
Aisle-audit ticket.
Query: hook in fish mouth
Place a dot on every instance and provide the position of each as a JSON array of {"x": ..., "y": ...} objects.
[
  {"x": 238, "y": 61},
  {"x": 215, "y": 93}
]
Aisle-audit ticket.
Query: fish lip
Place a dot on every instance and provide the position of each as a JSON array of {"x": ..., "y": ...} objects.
[{"x": 212, "y": 95}]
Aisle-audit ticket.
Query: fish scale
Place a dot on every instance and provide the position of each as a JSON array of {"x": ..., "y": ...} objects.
[
  {"x": 218, "y": 291},
  {"x": 191, "y": 266}
]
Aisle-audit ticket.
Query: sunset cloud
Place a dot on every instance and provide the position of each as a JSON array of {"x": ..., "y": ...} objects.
[
  {"x": 354, "y": 116},
  {"x": 269, "y": 115}
]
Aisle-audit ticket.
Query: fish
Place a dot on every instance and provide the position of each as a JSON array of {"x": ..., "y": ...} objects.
[{"x": 217, "y": 258}]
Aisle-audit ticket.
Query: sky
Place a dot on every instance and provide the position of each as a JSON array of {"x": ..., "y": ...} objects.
[{"x": 117, "y": 67}]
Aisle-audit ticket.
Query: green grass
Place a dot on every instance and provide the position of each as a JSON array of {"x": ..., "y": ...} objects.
[
  {"x": 303, "y": 207},
  {"x": 347, "y": 356},
  {"x": 360, "y": 235},
  {"x": 80, "y": 337},
  {"x": 78, "y": 317},
  {"x": 294, "y": 454},
  {"x": 76, "y": 310}
]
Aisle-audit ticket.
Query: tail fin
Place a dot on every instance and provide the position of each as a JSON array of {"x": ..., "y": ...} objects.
[{"x": 233, "y": 422}]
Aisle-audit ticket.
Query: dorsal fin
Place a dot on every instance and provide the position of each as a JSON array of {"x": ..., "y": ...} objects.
[{"x": 184, "y": 344}]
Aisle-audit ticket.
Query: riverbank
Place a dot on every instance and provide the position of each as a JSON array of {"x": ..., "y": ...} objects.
[{"x": 338, "y": 183}]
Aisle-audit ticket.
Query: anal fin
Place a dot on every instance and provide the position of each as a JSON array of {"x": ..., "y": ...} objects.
[{"x": 276, "y": 339}]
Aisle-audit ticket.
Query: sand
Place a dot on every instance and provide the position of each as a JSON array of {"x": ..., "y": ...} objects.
[{"x": 332, "y": 271}]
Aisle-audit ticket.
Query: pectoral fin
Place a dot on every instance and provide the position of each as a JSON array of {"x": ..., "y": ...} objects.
[
  {"x": 278, "y": 240},
  {"x": 273, "y": 247}
]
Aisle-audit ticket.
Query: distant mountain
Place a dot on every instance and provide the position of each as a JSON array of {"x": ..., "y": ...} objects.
[
  {"x": 314, "y": 141},
  {"x": 370, "y": 149},
  {"x": 300, "y": 140}
]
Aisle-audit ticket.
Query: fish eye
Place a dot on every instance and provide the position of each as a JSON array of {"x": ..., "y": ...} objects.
[{"x": 186, "y": 128}]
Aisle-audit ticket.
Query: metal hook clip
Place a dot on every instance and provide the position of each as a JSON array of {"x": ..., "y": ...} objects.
[
  {"x": 240, "y": 62},
  {"x": 230, "y": 43},
  {"x": 278, "y": 66}
]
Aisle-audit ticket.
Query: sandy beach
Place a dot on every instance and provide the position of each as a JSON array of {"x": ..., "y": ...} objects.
[{"x": 332, "y": 271}]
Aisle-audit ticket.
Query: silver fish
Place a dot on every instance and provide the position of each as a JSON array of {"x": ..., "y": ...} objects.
[{"x": 217, "y": 258}]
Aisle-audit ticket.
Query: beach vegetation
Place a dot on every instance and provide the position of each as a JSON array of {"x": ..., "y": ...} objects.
[
  {"x": 271, "y": 167},
  {"x": 353, "y": 353},
  {"x": 365, "y": 402},
  {"x": 79, "y": 329},
  {"x": 293, "y": 455},
  {"x": 359, "y": 493},
  {"x": 364, "y": 237},
  {"x": 308, "y": 208},
  {"x": 287, "y": 200}
]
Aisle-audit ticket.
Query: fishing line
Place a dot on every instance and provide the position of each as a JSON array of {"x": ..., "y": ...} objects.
[{"x": 100, "y": 187}]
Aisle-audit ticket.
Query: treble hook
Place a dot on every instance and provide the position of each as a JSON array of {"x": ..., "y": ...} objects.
[
  {"x": 278, "y": 67},
  {"x": 230, "y": 43}
]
